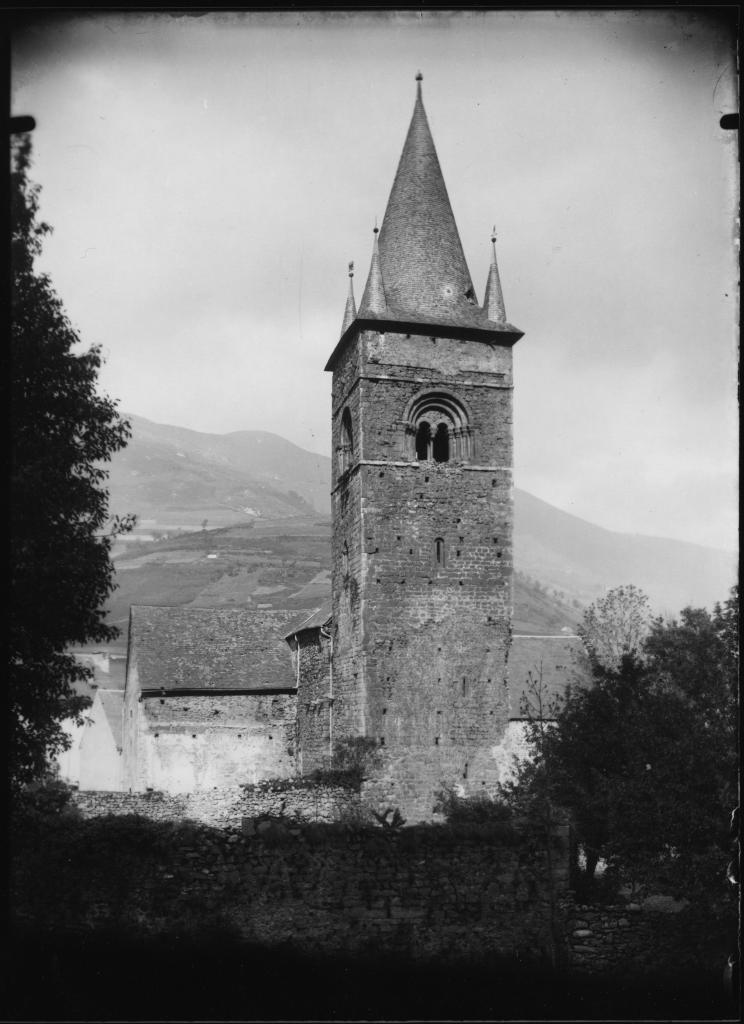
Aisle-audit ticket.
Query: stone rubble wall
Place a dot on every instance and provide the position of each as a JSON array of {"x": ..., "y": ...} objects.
[
  {"x": 226, "y": 808},
  {"x": 314, "y": 701},
  {"x": 261, "y": 873},
  {"x": 635, "y": 937},
  {"x": 425, "y": 892}
]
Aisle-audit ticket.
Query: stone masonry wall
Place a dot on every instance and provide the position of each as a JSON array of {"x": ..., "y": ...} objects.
[
  {"x": 314, "y": 701},
  {"x": 226, "y": 808},
  {"x": 194, "y": 742},
  {"x": 331, "y": 889},
  {"x": 420, "y": 646},
  {"x": 632, "y": 936},
  {"x": 426, "y": 891},
  {"x": 346, "y": 556}
]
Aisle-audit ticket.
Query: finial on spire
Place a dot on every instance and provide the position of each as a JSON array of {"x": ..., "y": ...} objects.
[
  {"x": 350, "y": 311},
  {"x": 493, "y": 302},
  {"x": 373, "y": 300},
  {"x": 419, "y": 77}
]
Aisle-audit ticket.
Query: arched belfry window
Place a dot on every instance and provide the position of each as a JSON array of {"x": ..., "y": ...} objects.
[
  {"x": 346, "y": 443},
  {"x": 438, "y": 429},
  {"x": 441, "y": 444},
  {"x": 423, "y": 441}
]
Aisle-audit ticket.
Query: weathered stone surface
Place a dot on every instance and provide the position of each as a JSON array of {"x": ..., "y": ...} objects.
[
  {"x": 315, "y": 700},
  {"x": 422, "y": 565},
  {"x": 279, "y": 887},
  {"x": 234, "y": 807}
]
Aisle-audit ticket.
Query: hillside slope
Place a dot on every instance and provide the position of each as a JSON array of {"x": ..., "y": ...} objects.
[
  {"x": 280, "y": 564},
  {"x": 585, "y": 560},
  {"x": 179, "y": 479},
  {"x": 173, "y": 477}
]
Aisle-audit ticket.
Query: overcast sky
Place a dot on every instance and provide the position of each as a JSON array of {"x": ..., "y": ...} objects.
[{"x": 208, "y": 179}]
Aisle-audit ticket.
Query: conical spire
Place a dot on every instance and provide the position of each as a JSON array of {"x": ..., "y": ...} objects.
[
  {"x": 493, "y": 302},
  {"x": 373, "y": 300},
  {"x": 350, "y": 312},
  {"x": 421, "y": 256},
  {"x": 418, "y": 278}
]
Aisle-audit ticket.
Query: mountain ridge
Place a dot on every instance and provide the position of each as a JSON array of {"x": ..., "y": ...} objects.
[{"x": 179, "y": 478}]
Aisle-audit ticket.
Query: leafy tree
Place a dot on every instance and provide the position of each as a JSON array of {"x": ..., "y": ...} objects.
[
  {"x": 698, "y": 657},
  {"x": 615, "y": 626},
  {"x": 63, "y": 431},
  {"x": 645, "y": 759}
]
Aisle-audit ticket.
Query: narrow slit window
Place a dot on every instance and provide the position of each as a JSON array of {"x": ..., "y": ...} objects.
[
  {"x": 439, "y": 552},
  {"x": 346, "y": 445}
]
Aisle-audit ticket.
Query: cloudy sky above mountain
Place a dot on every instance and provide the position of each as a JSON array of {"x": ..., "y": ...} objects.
[{"x": 208, "y": 179}]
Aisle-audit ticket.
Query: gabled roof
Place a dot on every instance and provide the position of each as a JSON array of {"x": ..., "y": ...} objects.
[
  {"x": 210, "y": 648},
  {"x": 554, "y": 661},
  {"x": 113, "y": 679},
  {"x": 112, "y": 702},
  {"x": 315, "y": 620},
  {"x": 84, "y": 687}
]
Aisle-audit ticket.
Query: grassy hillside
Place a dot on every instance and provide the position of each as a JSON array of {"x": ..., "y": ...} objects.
[
  {"x": 280, "y": 564},
  {"x": 182, "y": 480},
  {"x": 174, "y": 478}
]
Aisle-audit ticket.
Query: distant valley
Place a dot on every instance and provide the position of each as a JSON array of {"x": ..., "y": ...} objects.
[{"x": 245, "y": 518}]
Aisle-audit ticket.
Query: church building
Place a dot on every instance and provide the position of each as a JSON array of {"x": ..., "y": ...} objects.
[{"x": 413, "y": 651}]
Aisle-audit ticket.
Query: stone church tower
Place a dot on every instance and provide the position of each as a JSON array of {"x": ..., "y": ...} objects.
[{"x": 422, "y": 500}]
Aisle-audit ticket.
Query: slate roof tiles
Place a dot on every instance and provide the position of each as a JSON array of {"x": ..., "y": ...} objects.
[
  {"x": 190, "y": 648},
  {"x": 422, "y": 266},
  {"x": 320, "y": 617}
]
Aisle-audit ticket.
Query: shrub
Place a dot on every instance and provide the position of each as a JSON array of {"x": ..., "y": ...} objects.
[
  {"x": 474, "y": 810},
  {"x": 49, "y": 797}
]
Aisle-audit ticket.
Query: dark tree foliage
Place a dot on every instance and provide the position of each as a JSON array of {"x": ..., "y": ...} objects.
[
  {"x": 645, "y": 759},
  {"x": 62, "y": 433}
]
